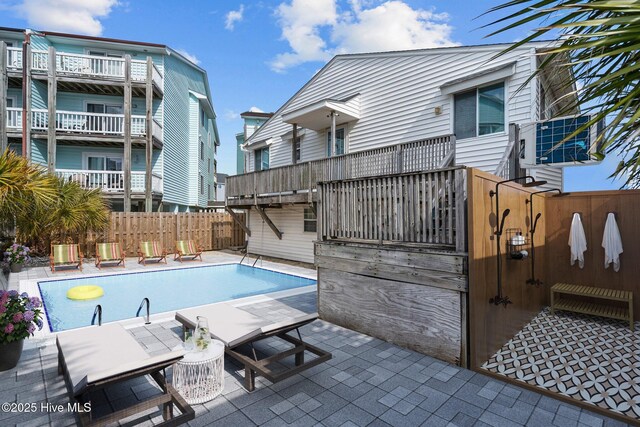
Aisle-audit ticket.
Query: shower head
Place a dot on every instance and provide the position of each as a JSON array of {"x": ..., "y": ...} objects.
[
  {"x": 505, "y": 214},
  {"x": 534, "y": 183}
]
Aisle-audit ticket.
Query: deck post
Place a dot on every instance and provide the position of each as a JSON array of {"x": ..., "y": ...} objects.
[
  {"x": 26, "y": 98},
  {"x": 3, "y": 96},
  {"x": 52, "y": 89},
  {"x": 127, "y": 134},
  {"x": 294, "y": 136},
  {"x": 149, "y": 137},
  {"x": 332, "y": 149}
]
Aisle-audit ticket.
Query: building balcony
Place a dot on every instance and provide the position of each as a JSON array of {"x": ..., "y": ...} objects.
[
  {"x": 83, "y": 126},
  {"x": 297, "y": 183},
  {"x": 14, "y": 119},
  {"x": 94, "y": 74},
  {"x": 14, "y": 58},
  {"x": 111, "y": 182}
]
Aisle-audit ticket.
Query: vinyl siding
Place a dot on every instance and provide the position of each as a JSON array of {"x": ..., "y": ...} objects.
[
  {"x": 181, "y": 161},
  {"x": 295, "y": 245},
  {"x": 398, "y": 96}
]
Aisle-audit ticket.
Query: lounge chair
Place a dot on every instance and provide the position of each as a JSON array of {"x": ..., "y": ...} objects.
[
  {"x": 95, "y": 358},
  {"x": 109, "y": 252},
  {"x": 239, "y": 329},
  {"x": 65, "y": 256},
  {"x": 187, "y": 249},
  {"x": 151, "y": 250}
]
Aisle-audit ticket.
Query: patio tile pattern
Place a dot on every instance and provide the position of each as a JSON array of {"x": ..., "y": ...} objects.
[
  {"x": 368, "y": 383},
  {"x": 588, "y": 358}
]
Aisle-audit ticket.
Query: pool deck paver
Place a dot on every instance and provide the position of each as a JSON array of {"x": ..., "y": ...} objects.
[{"x": 368, "y": 382}]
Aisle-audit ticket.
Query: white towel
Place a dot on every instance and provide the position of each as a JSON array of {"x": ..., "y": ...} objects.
[
  {"x": 577, "y": 240},
  {"x": 612, "y": 243}
]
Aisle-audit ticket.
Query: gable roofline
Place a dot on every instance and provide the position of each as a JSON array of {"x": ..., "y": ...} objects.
[{"x": 436, "y": 50}]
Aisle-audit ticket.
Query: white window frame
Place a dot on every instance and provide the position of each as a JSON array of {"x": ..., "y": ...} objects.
[
  {"x": 14, "y": 101},
  {"x": 305, "y": 220},
  {"x": 113, "y": 53},
  {"x": 452, "y": 108},
  {"x": 254, "y": 158},
  {"x": 345, "y": 149},
  {"x": 104, "y": 104},
  {"x": 87, "y": 154}
]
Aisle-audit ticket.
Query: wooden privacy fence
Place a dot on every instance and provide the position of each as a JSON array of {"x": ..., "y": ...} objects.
[
  {"x": 212, "y": 230},
  {"x": 426, "y": 207}
]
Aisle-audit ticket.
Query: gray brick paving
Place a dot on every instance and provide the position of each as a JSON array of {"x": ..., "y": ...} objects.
[{"x": 368, "y": 383}]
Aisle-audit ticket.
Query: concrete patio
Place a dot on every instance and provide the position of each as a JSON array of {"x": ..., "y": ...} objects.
[{"x": 368, "y": 382}]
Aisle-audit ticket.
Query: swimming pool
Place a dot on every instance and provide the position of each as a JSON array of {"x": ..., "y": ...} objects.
[{"x": 166, "y": 289}]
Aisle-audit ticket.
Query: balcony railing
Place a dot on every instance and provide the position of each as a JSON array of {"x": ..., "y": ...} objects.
[
  {"x": 14, "y": 118},
  {"x": 418, "y": 156},
  {"x": 88, "y": 123},
  {"x": 14, "y": 58},
  {"x": 110, "y": 181},
  {"x": 93, "y": 66}
]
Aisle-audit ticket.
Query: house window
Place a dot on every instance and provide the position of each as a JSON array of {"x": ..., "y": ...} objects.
[
  {"x": 261, "y": 159},
  {"x": 202, "y": 117},
  {"x": 339, "y": 147},
  {"x": 201, "y": 149},
  {"x": 479, "y": 111},
  {"x": 297, "y": 149},
  {"x": 310, "y": 221},
  {"x": 209, "y": 165},
  {"x": 209, "y": 191},
  {"x": 201, "y": 184}
]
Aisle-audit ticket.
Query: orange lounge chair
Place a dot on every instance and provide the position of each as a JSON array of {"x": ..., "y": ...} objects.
[
  {"x": 67, "y": 255},
  {"x": 151, "y": 251},
  {"x": 188, "y": 249},
  {"x": 109, "y": 252}
]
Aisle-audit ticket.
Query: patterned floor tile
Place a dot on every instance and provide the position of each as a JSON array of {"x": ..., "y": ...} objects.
[{"x": 587, "y": 358}]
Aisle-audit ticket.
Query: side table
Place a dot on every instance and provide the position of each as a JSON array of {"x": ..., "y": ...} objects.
[{"x": 199, "y": 376}]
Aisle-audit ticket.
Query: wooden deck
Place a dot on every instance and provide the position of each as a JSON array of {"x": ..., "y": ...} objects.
[{"x": 298, "y": 183}]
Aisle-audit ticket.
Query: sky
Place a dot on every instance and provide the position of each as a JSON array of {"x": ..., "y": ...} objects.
[{"x": 259, "y": 53}]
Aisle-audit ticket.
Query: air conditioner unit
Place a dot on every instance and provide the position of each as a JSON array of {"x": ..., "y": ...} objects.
[{"x": 538, "y": 140}]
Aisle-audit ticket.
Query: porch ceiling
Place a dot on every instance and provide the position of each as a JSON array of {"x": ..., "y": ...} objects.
[{"x": 317, "y": 116}]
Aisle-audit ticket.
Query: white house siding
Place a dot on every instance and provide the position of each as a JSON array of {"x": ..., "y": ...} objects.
[
  {"x": 295, "y": 245},
  {"x": 398, "y": 96}
]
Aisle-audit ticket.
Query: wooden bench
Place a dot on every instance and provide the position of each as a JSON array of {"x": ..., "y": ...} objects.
[{"x": 559, "y": 301}]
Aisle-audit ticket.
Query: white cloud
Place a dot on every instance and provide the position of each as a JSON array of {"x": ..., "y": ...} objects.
[
  {"x": 189, "y": 56},
  {"x": 316, "y": 29},
  {"x": 76, "y": 16},
  {"x": 234, "y": 16},
  {"x": 255, "y": 109},
  {"x": 230, "y": 115}
]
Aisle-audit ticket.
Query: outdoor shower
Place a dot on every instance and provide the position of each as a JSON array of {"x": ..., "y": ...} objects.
[
  {"x": 499, "y": 298},
  {"x": 532, "y": 231}
]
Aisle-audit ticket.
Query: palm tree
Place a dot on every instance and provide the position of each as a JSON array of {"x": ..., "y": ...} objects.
[
  {"x": 600, "y": 41},
  {"x": 23, "y": 184},
  {"x": 73, "y": 211}
]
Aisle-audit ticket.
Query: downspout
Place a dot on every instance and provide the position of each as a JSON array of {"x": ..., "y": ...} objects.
[{"x": 25, "y": 50}]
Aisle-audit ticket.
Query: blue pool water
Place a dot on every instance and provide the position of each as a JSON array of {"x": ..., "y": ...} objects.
[{"x": 167, "y": 289}]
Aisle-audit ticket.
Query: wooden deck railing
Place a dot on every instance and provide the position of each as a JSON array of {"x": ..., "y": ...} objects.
[
  {"x": 423, "y": 155},
  {"x": 426, "y": 208}
]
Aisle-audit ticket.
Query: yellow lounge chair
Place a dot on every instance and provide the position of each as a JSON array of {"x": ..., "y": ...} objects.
[
  {"x": 151, "y": 250},
  {"x": 189, "y": 249},
  {"x": 109, "y": 252},
  {"x": 65, "y": 256}
]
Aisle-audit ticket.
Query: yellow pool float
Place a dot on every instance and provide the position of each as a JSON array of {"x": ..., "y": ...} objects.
[{"x": 85, "y": 292}]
